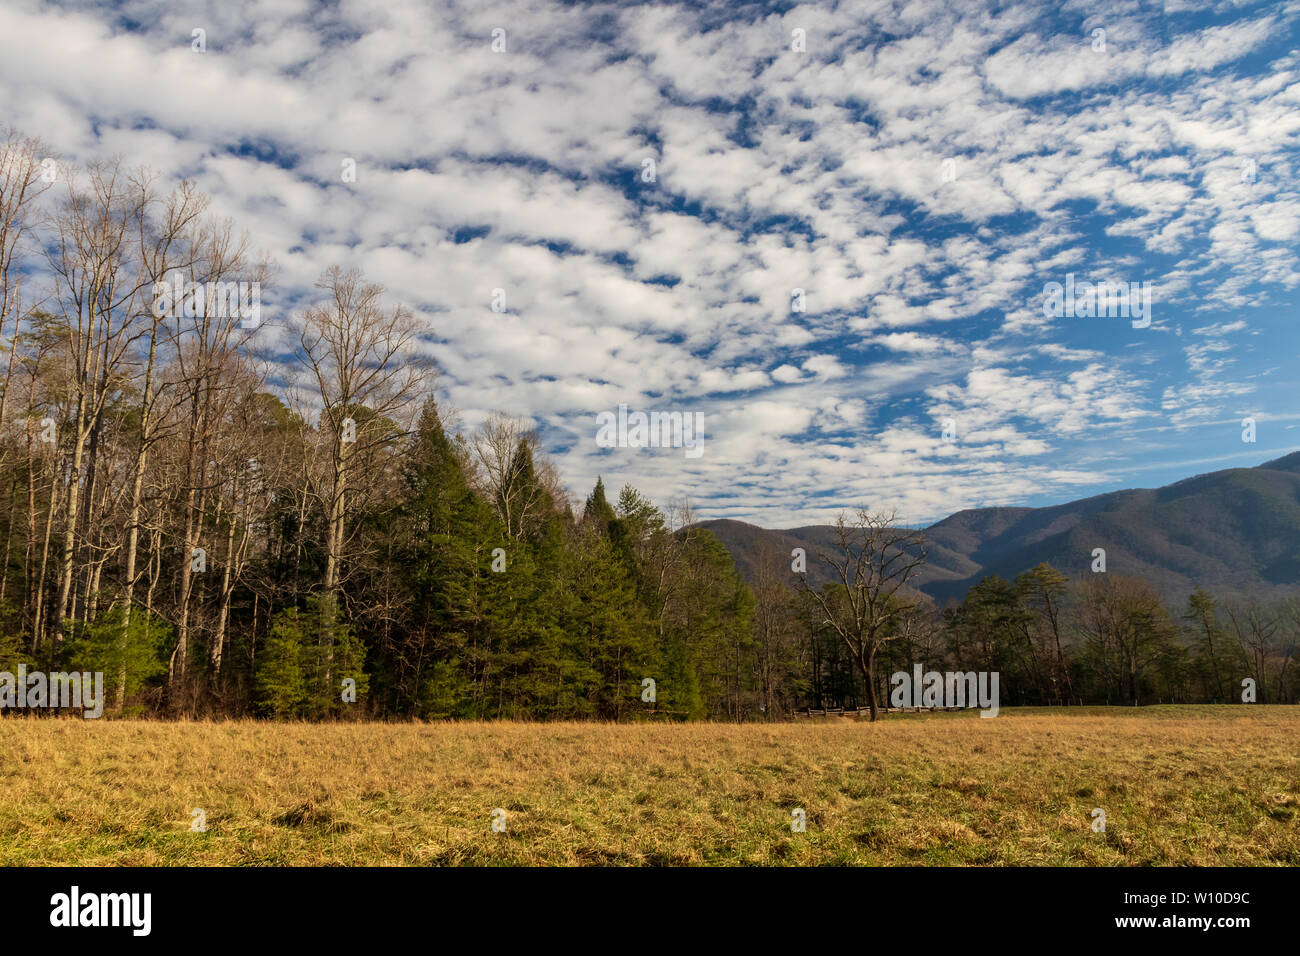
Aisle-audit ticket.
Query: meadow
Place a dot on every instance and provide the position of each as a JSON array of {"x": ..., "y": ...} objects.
[{"x": 1194, "y": 785}]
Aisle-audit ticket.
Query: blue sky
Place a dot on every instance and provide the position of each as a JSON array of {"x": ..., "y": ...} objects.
[{"x": 922, "y": 170}]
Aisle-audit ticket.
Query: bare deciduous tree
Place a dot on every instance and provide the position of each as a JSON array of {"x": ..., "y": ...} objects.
[
  {"x": 1255, "y": 626},
  {"x": 21, "y": 185},
  {"x": 502, "y": 450},
  {"x": 1126, "y": 625},
  {"x": 207, "y": 341},
  {"x": 872, "y": 562},
  {"x": 361, "y": 358},
  {"x": 100, "y": 291}
]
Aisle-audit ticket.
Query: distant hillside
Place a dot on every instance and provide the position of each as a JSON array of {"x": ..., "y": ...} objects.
[{"x": 1230, "y": 531}]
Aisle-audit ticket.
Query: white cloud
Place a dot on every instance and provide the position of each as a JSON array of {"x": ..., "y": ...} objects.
[{"x": 775, "y": 171}]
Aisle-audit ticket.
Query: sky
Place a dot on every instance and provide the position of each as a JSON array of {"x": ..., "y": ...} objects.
[{"x": 639, "y": 190}]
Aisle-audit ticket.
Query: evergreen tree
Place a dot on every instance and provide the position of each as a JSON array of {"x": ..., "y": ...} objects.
[
  {"x": 281, "y": 676},
  {"x": 450, "y": 534},
  {"x": 338, "y": 656},
  {"x": 128, "y": 655},
  {"x": 299, "y": 674},
  {"x": 597, "y": 510}
]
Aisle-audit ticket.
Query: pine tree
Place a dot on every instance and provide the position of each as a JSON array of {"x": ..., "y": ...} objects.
[
  {"x": 597, "y": 511},
  {"x": 340, "y": 656},
  {"x": 129, "y": 655},
  {"x": 450, "y": 531},
  {"x": 281, "y": 678},
  {"x": 614, "y": 628}
]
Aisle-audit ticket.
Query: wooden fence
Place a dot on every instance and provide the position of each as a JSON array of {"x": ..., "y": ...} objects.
[{"x": 866, "y": 711}]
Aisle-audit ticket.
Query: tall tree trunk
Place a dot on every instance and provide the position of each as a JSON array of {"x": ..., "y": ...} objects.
[
  {"x": 133, "y": 517},
  {"x": 223, "y": 614},
  {"x": 9, "y": 535},
  {"x": 337, "y": 510},
  {"x": 869, "y": 668},
  {"x": 190, "y": 542},
  {"x": 39, "y": 625},
  {"x": 153, "y": 564},
  {"x": 29, "y": 553},
  {"x": 92, "y": 605},
  {"x": 70, "y": 520}
]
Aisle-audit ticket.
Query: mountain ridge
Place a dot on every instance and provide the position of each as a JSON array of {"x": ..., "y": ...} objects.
[{"x": 1231, "y": 531}]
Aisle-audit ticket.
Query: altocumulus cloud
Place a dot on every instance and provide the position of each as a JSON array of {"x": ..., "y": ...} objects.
[{"x": 649, "y": 185}]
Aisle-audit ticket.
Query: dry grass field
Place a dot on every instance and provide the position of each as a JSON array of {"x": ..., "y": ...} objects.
[{"x": 1179, "y": 785}]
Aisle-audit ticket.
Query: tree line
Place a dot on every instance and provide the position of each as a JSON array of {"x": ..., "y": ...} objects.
[
  {"x": 226, "y": 517},
  {"x": 238, "y": 518}
]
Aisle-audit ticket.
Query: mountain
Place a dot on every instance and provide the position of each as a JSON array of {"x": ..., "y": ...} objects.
[{"x": 1231, "y": 531}]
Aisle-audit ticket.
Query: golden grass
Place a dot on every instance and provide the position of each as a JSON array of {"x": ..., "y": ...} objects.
[{"x": 1204, "y": 785}]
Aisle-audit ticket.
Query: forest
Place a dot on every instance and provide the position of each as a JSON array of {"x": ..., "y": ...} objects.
[{"x": 280, "y": 519}]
